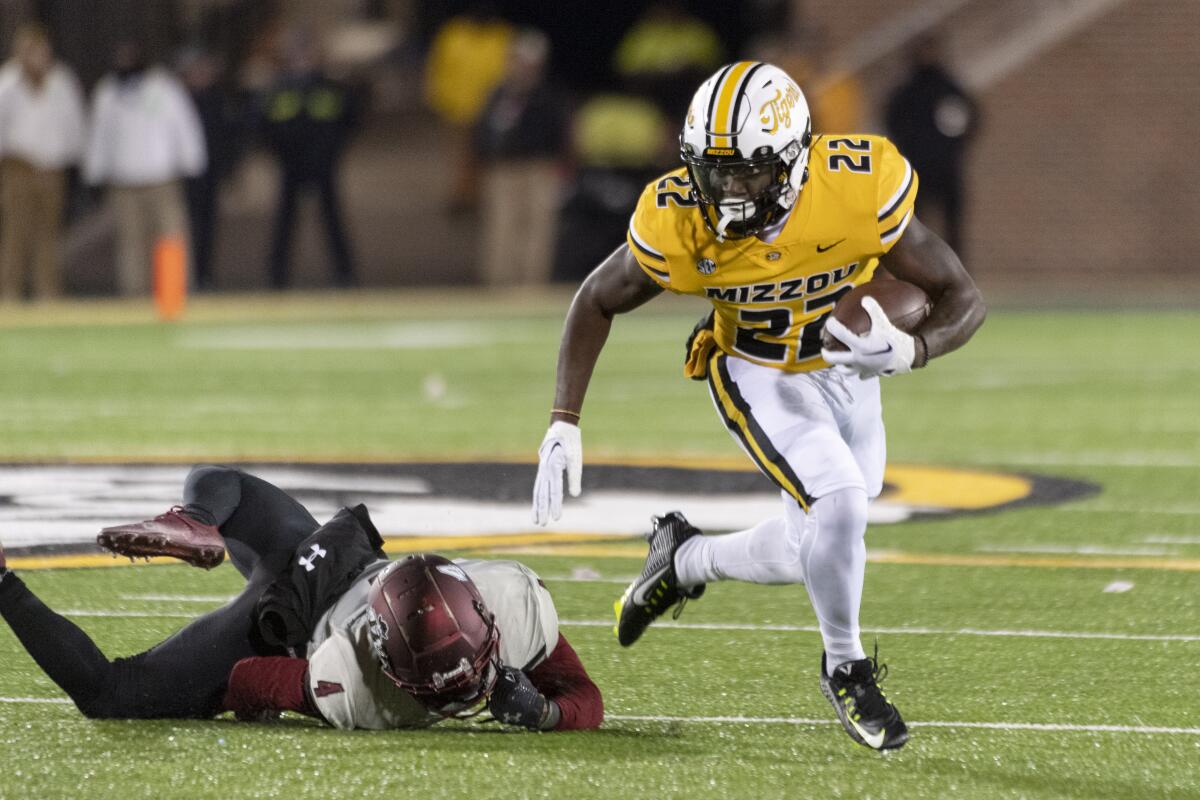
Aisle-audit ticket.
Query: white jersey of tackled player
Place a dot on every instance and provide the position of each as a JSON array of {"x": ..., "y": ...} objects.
[{"x": 351, "y": 691}]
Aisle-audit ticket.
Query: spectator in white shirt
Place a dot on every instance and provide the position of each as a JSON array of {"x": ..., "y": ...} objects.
[
  {"x": 145, "y": 138},
  {"x": 41, "y": 135}
]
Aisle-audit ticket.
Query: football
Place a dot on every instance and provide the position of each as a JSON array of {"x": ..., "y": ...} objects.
[{"x": 905, "y": 304}]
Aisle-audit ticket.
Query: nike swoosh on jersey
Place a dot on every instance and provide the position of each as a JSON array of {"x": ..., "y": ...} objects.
[
  {"x": 821, "y": 249},
  {"x": 874, "y": 741}
]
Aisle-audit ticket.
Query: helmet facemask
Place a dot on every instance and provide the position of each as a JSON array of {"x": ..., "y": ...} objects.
[
  {"x": 739, "y": 197},
  {"x": 460, "y": 692},
  {"x": 745, "y": 143}
]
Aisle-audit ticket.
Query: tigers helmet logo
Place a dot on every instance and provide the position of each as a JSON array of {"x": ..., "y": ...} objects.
[
  {"x": 777, "y": 112},
  {"x": 706, "y": 266}
]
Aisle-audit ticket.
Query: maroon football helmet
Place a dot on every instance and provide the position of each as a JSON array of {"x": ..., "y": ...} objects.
[{"x": 433, "y": 634}]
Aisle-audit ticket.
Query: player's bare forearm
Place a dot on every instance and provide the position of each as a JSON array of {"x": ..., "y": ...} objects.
[
  {"x": 922, "y": 258},
  {"x": 616, "y": 286}
]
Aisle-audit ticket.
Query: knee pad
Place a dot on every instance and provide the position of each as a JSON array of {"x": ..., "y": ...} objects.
[{"x": 842, "y": 513}]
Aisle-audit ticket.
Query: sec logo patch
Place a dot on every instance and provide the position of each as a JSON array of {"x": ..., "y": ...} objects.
[{"x": 706, "y": 266}]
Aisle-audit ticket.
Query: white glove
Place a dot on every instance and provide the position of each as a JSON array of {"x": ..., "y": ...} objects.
[
  {"x": 883, "y": 350},
  {"x": 562, "y": 449}
]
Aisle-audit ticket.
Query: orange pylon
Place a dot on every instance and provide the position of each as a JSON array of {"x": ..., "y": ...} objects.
[{"x": 170, "y": 277}]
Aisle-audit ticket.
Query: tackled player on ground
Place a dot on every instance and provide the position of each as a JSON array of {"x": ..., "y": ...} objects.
[{"x": 325, "y": 626}]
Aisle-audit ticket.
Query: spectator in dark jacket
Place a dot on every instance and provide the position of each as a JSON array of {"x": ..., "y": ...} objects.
[
  {"x": 931, "y": 118},
  {"x": 308, "y": 119},
  {"x": 222, "y": 116},
  {"x": 520, "y": 140}
]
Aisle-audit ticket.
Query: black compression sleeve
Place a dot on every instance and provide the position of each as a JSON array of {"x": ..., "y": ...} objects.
[{"x": 59, "y": 646}]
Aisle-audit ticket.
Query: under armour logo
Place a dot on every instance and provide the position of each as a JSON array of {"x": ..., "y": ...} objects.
[
  {"x": 307, "y": 561},
  {"x": 510, "y": 718}
]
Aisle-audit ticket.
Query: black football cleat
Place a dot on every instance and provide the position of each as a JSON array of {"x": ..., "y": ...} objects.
[
  {"x": 861, "y": 706},
  {"x": 173, "y": 534},
  {"x": 657, "y": 588}
]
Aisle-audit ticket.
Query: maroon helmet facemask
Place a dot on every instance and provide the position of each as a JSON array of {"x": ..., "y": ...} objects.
[{"x": 432, "y": 633}]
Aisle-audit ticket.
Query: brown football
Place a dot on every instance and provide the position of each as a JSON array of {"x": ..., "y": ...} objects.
[{"x": 906, "y": 306}]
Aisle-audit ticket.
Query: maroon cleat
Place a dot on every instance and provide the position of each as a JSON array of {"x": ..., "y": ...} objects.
[{"x": 173, "y": 534}]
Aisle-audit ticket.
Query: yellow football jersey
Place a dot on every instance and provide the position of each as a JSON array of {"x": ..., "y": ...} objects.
[{"x": 771, "y": 298}]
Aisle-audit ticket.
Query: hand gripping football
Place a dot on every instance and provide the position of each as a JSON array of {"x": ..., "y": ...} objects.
[{"x": 905, "y": 304}]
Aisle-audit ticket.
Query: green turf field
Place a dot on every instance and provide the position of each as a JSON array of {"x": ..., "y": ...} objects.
[{"x": 1021, "y": 680}]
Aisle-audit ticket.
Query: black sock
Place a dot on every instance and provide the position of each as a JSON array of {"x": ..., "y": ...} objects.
[
  {"x": 211, "y": 494},
  {"x": 200, "y": 514}
]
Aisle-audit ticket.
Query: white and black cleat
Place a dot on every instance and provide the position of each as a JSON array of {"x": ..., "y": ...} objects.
[
  {"x": 657, "y": 588},
  {"x": 861, "y": 706}
]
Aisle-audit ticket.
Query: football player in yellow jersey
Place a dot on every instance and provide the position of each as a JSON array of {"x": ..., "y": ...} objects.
[{"x": 773, "y": 224}]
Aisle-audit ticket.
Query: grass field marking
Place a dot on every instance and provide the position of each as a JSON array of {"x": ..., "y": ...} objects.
[
  {"x": 180, "y": 598},
  {"x": 992, "y": 726},
  {"x": 1184, "y": 510},
  {"x": 1172, "y": 539},
  {"x": 1016, "y": 560},
  {"x": 1168, "y": 460},
  {"x": 49, "y": 700},
  {"x": 904, "y": 558},
  {"x": 426, "y": 335},
  {"x": 79, "y": 560},
  {"x": 607, "y": 545},
  {"x": 700, "y": 626},
  {"x": 93, "y": 612},
  {"x": 906, "y": 631},
  {"x": 1076, "y": 550}
]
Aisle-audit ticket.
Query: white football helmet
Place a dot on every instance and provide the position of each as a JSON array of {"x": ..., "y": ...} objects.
[{"x": 745, "y": 143}]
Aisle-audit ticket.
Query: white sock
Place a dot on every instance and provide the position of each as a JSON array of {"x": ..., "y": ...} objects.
[
  {"x": 767, "y": 553},
  {"x": 834, "y": 554}
]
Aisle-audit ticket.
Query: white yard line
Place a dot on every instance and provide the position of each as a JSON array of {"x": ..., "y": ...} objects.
[
  {"x": 1028, "y": 634},
  {"x": 574, "y": 579},
  {"x": 1098, "y": 459},
  {"x": 1177, "y": 509},
  {"x": 225, "y": 598},
  {"x": 1076, "y": 550},
  {"x": 49, "y": 700},
  {"x": 701, "y": 626},
  {"x": 93, "y": 612},
  {"x": 994, "y": 726},
  {"x": 180, "y": 598}
]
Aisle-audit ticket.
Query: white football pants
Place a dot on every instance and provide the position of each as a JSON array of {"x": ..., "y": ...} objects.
[{"x": 819, "y": 437}]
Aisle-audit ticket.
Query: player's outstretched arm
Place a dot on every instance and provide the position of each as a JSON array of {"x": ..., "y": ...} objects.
[
  {"x": 616, "y": 286},
  {"x": 922, "y": 258}
]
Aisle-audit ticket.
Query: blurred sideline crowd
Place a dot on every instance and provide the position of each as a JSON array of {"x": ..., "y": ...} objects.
[{"x": 544, "y": 169}]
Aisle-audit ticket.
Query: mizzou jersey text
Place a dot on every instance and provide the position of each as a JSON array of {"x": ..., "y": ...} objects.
[{"x": 771, "y": 298}]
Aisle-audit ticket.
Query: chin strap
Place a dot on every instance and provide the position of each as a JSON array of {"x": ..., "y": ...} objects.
[{"x": 722, "y": 224}]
